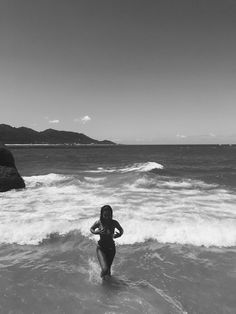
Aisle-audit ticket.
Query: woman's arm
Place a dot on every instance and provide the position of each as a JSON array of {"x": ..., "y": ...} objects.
[
  {"x": 119, "y": 228},
  {"x": 94, "y": 227}
]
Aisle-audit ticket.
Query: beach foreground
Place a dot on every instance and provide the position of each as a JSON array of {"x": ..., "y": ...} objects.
[{"x": 177, "y": 207}]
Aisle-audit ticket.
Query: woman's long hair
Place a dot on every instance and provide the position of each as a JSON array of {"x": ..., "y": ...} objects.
[{"x": 103, "y": 208}]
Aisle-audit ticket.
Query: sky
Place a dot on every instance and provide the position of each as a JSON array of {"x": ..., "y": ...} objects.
[{"x": 131, "y": 71}]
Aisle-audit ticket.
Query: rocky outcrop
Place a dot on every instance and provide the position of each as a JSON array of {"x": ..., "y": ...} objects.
[{"x": 9, "y": 176}]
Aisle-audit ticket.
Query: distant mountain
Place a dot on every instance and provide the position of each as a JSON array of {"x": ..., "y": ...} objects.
[{"x": 23, "y": 135}]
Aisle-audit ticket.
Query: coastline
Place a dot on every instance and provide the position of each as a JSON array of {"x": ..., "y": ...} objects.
[{"x": 58, "y": 145}]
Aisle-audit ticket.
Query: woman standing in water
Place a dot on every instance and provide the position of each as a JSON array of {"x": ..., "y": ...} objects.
[{"x": 106, "y": 250}]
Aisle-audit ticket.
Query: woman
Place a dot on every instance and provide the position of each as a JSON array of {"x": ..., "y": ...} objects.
[{"x": 106, "y": 250}]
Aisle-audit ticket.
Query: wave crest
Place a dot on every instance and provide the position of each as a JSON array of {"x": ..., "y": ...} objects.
[
  {"x": 136, "y": 167},
  {"x": 45, "y": 180},
  {"x": 143, "y": 167},
  {"x": 198, "y": 232}
]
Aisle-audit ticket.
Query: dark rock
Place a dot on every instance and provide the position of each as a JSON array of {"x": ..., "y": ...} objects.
[{"x": 9, "y": 176}]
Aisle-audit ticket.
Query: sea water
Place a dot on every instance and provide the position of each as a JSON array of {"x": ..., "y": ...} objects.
[{"x": 177, "y": 205}]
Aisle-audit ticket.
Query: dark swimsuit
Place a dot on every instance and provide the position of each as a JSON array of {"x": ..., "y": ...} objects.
[{"x": 106, "y": 243}]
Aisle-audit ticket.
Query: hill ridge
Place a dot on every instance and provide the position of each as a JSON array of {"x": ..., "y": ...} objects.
[{"x": 24, "y": 135}]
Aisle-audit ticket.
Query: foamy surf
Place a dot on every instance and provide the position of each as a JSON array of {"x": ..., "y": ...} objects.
[
  {"x": 136, "y": 167},
  {"x": 164, "y": 209}
]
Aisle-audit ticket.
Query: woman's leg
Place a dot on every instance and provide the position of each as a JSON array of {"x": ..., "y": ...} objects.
[
  {"x": 110, "y": 257},
  {"x": 102, "y": 258}
]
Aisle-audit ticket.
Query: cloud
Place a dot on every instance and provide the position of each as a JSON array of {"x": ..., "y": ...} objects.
[
  {"x": 54, "y": 121},
  {"x": 84, "y": 119},
  {"x": 181, "y": 136}
]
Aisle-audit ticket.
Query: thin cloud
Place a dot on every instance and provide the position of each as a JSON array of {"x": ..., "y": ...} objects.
[
  {"x": 54, "y": 121},
  {"x": 181, "y": 136},
  {"x": 85, "y": 119}
]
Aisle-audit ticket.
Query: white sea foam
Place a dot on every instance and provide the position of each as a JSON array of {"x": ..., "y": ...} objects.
[
  {"x": 47, "y": 179},
  {"x": 187, "y": 212},
  {"x": 183, "y": 231},
  {"x": 187, "y": 186},
  {"x": 94, "y": 272},
  {"x": 143, "y": 167},
  {"x": 137, "y": 167}
]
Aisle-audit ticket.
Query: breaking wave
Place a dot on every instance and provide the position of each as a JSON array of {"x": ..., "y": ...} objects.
[
  {"x": 136, "y": 167},
  {"x": 165, "y": 209}
]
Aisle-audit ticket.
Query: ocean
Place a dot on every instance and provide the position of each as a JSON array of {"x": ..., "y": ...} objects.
[{"x": 177, "y": 205}]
